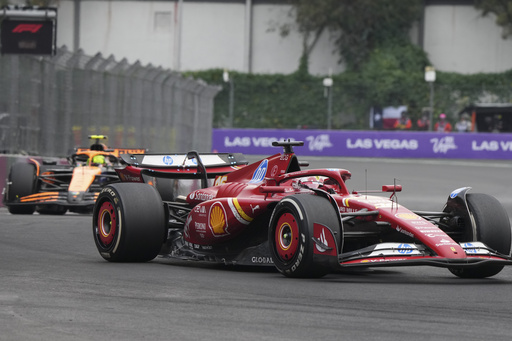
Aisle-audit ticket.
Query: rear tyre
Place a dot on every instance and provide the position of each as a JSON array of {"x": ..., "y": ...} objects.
[
  {"x": 291, "y": 233},
  {"x": 129, "y": 222},
  {"x": 492, "y": 228},
  {"x": 22, "y": 182}
]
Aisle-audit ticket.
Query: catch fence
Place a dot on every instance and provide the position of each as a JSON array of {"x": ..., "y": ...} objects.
[{"x": 49, "y": 105}]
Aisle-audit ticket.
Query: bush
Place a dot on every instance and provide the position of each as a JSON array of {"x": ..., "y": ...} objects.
[{"x": 391, "y": 76}]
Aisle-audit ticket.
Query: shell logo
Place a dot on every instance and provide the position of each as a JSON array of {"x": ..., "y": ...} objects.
[{"x": 217, "y": 219}]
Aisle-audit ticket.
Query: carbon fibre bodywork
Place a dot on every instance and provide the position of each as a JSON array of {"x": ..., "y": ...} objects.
[{"x": 303, "y": 221}]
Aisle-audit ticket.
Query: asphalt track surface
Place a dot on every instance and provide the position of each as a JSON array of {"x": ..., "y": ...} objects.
[{"x": 55, "y": 286}]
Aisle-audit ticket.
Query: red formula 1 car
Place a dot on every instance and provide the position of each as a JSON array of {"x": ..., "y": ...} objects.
[
  {"x": 304, "y": 222},
  {"x": 51, "y": 188}
]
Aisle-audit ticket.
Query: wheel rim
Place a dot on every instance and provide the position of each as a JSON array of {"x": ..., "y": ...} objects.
[
  {"x": 107, "y": 223},
  {"x": 287, "y": 237}
]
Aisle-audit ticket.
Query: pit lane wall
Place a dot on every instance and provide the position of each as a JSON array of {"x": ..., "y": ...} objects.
[{"x": 392, "y": 144}]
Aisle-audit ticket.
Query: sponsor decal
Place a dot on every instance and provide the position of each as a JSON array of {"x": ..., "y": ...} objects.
[
  {"x": 323, "y": 240},
  {"x": 491, "y": 146},
  {"x": 347, "y": 210},
  {"x": 167, "y": 160},
  {"x": 200, "y": 196},
  {"x": 300, "y": 254},
  {"x": 405, "y": 248},
  {"x": 394, "y": 144},
  {"x": 434, "y": 235},
  {"x": 421, "y": 222},
  {"x": 274, "y": 171},
  {"x": 109, "y": 191},
  {"x": 468, "y": 247},
  {"x": 443, "y": 144},
  {"x": 217, "y": 220},
  {"x": 407, "y": 216},
  {"x": 407, "y": 233},
  {"x": 456, "y": 192},
  {"x": 444, "y": 242},
  {"x": 319, "y": 142},
  {"x": 262, "y": 260},
  {"x": 200, "y": 227},
  {"x": 129, "y": 178},
  {"x": 378, "y": 260},
  {"x": 200, "y": 209},
  {"x": 260, "y": 172}
]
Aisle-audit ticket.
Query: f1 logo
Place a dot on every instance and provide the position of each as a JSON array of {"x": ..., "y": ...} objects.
[{"x": 32, "y": 28}]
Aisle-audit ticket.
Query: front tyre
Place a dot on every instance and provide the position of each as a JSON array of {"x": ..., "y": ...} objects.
[
  {"x": 291, "y": 233},
  {"x": 492, "y": 228},
  {"x": 21, "y": 183},
  {"x": 129, "y": 222}
]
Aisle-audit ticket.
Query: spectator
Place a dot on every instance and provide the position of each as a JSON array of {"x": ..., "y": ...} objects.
[
  {"x": 423, "y": 122},
  {"x": 404, "y": 122},
  {"x": 442, "y": 125},
  {"x": 463, "y": 125}
]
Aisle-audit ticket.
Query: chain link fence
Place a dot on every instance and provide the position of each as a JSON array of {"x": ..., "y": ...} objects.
[{"x": 49, "y": 105}]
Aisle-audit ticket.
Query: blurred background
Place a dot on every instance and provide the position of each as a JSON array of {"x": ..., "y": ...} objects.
[{"x": 163, "y": 74}]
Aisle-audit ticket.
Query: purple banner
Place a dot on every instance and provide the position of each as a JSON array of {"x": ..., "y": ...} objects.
[{"x": 394, "y": 144}]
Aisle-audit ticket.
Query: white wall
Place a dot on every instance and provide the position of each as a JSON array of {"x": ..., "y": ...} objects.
[
  {"x": 213, "y": 36},
  {"x": 456, "y": 38},
  {"x": 459, "y": 39}
]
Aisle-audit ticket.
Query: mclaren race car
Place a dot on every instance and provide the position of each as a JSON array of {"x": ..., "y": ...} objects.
[
  {"x": 215, "y": 207},
  {"x": 51, "y": 188}
]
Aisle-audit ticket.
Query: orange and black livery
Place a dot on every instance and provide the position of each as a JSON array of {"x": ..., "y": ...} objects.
[{"x": 52, "y": 188}]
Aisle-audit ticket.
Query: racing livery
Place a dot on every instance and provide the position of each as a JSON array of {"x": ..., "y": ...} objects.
[
  {"x": 51, "y": 188},
  {"x": 302, "y": 221}
]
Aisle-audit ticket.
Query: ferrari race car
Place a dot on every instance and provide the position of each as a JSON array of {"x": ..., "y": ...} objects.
[
  {"x": 302, "y": 221},
  {"x": 51, "y": 188}
]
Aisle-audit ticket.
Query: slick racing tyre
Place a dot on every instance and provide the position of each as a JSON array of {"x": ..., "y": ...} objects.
[
  {"x": 22, "y": 182},
  {"x": 129, "y": 222},
  {"x": 291, "y": 233},
  {"x": 492, "y": 228}
]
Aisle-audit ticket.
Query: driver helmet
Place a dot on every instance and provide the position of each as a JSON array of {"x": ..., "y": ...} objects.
[{"x": 99, "y": 159}]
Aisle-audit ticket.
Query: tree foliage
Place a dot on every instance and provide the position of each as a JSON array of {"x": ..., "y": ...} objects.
[
  {"x": 503, "y": 11},
  {"x": 359, "y": 26}
]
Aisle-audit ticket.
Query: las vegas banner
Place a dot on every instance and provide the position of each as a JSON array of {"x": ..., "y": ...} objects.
[{"x": 395, "y": 144}]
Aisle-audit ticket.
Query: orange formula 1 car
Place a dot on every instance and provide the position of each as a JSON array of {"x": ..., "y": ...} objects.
[{"x": 50, "y": 188}]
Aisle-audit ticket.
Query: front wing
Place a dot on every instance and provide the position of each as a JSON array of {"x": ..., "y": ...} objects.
[
  {"x": 67, "y": 199},
  {"x": 401, "y": 254}
]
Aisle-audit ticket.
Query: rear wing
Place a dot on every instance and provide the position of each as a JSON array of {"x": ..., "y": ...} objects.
[
  {"x": 185, "y": 160},
  {"x": 191, "y": 165},
  {"x": 116, "y": 151}
]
